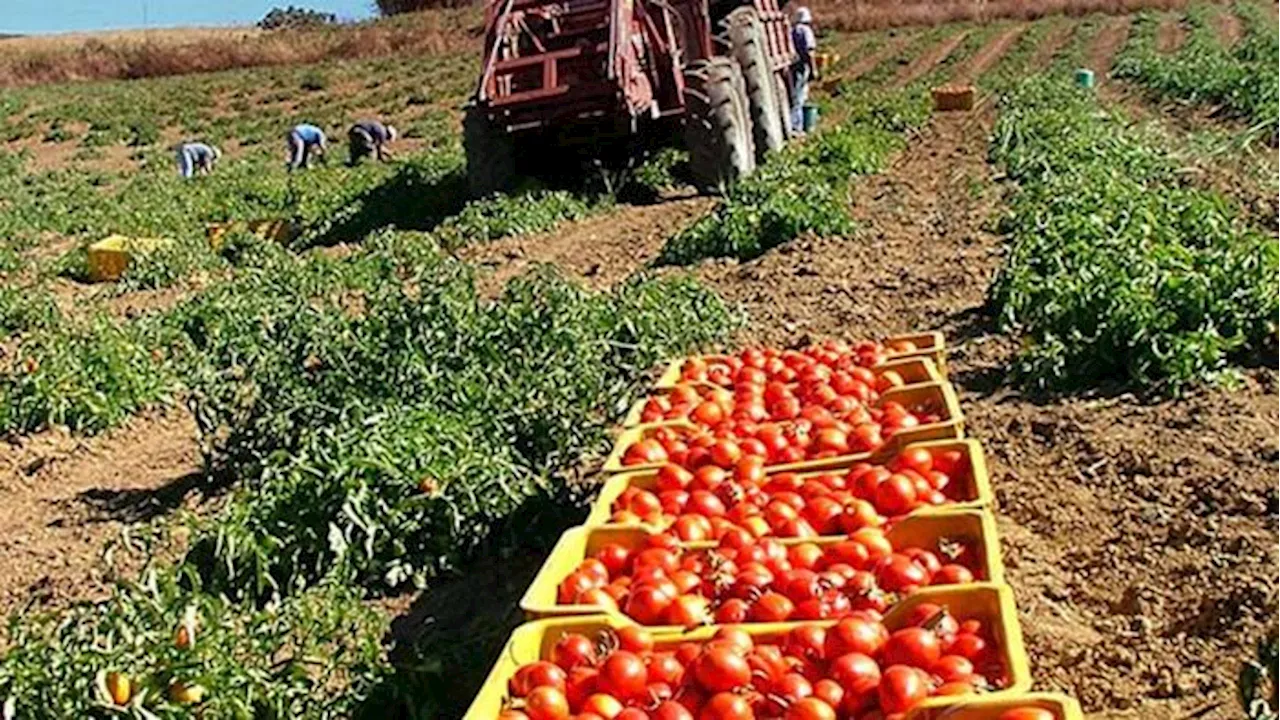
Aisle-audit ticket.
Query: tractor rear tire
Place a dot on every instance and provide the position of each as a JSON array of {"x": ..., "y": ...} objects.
[
  {"x": 745, "y": 32},
  {"x": 491, "y": 159},
  {"x": 717, "y": 125},
  {"x": 782, "y": 88}
]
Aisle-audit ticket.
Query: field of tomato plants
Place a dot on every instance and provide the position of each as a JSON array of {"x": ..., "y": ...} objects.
[
  {"x": 1241, "y": 79},
  {"x": 390, "y": 460}
]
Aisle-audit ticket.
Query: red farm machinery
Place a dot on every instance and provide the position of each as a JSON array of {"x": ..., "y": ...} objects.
[{"x": 563, "y": 77}]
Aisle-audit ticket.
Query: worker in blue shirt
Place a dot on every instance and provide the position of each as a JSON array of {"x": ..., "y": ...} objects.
[
  {"x": 305, "y": 140},
  {"x": 196, "y": 157},
  {"x": 370, "y": 137},
  {"x": 805, "y": 67}
]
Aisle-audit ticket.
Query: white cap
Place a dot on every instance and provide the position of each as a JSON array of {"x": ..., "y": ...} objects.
[
  {"x": 392, "y": 133},
  {"x": 803, "y": 16}
]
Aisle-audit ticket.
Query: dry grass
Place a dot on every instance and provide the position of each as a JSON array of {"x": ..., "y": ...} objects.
[
  {"x": 871, "y": 14},
  {"x": 136, "y": 54}
]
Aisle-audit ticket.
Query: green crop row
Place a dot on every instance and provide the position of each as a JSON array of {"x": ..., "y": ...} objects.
[
  {"x": 804, "y": 188},
  {"x": 384, "y": 424},
  {"x": 1203, "y": 70},
  {"x": 1118, "y": 272}
]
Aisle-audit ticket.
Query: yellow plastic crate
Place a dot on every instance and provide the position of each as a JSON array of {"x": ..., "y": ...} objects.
[
  {"x": 976, "y": 483},
  {"x": 972, "y": 527},
  {"x": 914, "y": 371},
  {"x": 928, "y": 344},
  {"x": 980, "y": 707},
  {"x": 109, "y": 257},
  {"x": 940, "y": 397},
  {"x": 276, "y": 230},
  {"x": 990, "y": 603}
]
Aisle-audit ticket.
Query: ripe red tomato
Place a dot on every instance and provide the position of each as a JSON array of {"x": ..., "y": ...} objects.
[
  {"x": 726, "y": 706},
  {"x": 902, "y": 688},
  {"x": 953, "y": 574},
  {"x": 771, "y": 607},
  {"x": 615, "y": 557},
  {"x": 829, "y": 691},
  {"x": 855, "y": 635},
  {"x": 968, "y": 645},
  {"x": 573, "y": 650},
  {"x": 896, "y": 495},
  {"x": 806, "y": 642},
  {"x": 633, "y": 638},
  {"x": 537, "y": 674},
  {"x": 623, "y": 675},
  {"x": 688, "y": 611},
  {"x": 810, "y": 708},
  {"x": 953, "y": 668},
  {"x": 733, "y": 610},
  {"x": 720, "y": 669},
  {"x": 546, "y": 703},
  {"x": 725, "y": 453},
  {"x": 856, "y": 673},
  {"x": 735, "y": 637},
  {"x": 664, "y": 667},
  {"x": 645, "y": 452},
  {"x": 673, "y": 477},
  {"x": 602, "y": 704},
  {"x": 899, "y": 573},
  {"x": 671, "y": 710},
  {"x": 913, "y": 646},
  {"x": 915, "y": 458}
]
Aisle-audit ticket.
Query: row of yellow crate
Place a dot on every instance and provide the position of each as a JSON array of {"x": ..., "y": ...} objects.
[{"x": 967, "y": 520}]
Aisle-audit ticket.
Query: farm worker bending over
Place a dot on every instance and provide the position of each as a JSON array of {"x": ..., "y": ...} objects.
[
  {"x": 805, "y": 67},
  {"x": 305, "y": 140},
  {"x": 196, "y": 156},
  {"x": 370, "y": 137}
]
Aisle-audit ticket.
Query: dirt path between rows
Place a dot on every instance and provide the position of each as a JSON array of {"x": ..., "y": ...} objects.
[
  {"x": 1228, "y": 25},
  {"x": 1139, "y": 537},
  {"x": 868, "y": 63},
  {"x": 988, "y": 55},
  {"x": 1050, "y": 44},
  {"x": 925, "y": 61},
  {"x": 600, "y": 251},
  {"x": 1105, "y": 45},
  {"x": 1170, "y": 34},
  {"x": 63, "y": 499}
]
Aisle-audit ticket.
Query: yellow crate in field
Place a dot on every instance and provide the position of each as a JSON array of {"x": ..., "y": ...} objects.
[
  {"x": 973, "y": 527},
  {"x": 109, "y": 257},
  {"x": 989, "y": 603},
  {"x": 273, "y": 229}
]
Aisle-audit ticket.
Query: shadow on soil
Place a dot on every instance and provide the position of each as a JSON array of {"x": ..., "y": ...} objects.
[
  {"x": 444, "y": 644},
  {"x": 412, "y": 199},
  {"x": 138, "y": 505}
]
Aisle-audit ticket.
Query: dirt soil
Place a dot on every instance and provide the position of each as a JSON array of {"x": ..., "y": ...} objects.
[
  {"x": 1228, "y": 25},
  {"x": 1051, "y": 43},
  {"x": 65, "y": 499},
  {"x": 925, "y": 61},
  {"x": 994, "y": 50},
  {"x": 1170, "y": 35},
  {"x": 1106, "y": 44},
  {"x": 600, "y": 250},
  {"x": 869, "y": 62}
]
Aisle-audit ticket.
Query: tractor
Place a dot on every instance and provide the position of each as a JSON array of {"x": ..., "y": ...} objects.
[{"x": 575, "y": 77}]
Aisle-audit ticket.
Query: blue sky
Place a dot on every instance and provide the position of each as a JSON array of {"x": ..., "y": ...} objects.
[{"x": 47, "y": 16}]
